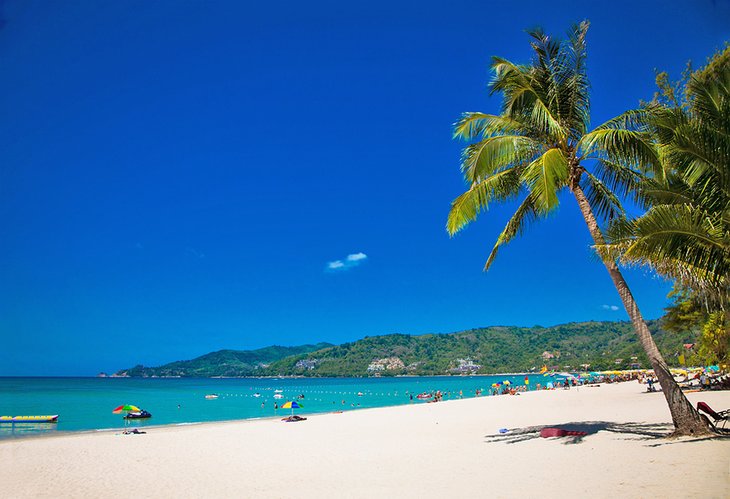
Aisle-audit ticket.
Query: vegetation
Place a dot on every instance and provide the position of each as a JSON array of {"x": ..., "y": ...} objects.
[
  {"x": 689, "y": 316},
  {"x": 602, "y": 345},
  {"x": 685, "y": 234},
  {"x": 540, "y": 145},
  {"x": 223, "y": 363}
]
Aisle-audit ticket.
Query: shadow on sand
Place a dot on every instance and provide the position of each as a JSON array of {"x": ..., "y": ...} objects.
[{"x": 642, "y": 431}]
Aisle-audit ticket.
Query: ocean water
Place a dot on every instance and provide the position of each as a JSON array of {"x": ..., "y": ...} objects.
[{"x": 86, "y": 404}]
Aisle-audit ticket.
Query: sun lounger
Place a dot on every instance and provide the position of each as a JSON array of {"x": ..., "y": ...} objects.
[{"x": 717, "y": 417}]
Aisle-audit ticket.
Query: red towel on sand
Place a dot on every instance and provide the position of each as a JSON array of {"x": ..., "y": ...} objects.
[{"x": 559, "y": 432}]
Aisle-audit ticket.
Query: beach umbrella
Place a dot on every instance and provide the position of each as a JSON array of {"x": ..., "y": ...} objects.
[
  {"x": 127, "y": 408},
  {"x": 292, "y": 405}
]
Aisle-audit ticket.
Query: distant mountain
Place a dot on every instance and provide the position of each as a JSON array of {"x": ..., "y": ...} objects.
[
  {"x": 223, "y": 363},
  {"x": 601, "y": 345}
]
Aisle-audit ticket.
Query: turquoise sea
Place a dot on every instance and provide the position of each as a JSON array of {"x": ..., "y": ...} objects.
[{"x": 86, "y": 404}]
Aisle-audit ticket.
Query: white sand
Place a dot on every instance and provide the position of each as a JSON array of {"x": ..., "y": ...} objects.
[{"x": 447, "y": 449}]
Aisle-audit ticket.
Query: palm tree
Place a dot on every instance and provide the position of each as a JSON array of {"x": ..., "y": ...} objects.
[
  {"x": 685, "y": 235},
  {"x": 539, "y": 145}
]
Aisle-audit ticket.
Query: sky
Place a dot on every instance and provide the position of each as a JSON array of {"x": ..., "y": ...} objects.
[{"x": 178, "y": 177}]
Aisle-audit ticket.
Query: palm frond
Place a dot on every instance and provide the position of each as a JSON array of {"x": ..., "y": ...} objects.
[
  {"x": 621, "y": 180},
  {"x": 603, "y": 201},
  {"x": 577, "y": 103},
  {"x": 679, "y": 241},
  {"x": 525, "y": 214},
  {"x": 629, "y": 147},
  {"x": 472, "y": 125},
  {"x": 524, "y": 98},
  {"x": 490, "y": 155},
  {"x": 544, "y": 177},
  {"x": 466, "y": 207}
]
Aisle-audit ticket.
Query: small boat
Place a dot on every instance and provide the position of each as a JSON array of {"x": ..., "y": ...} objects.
[
  {"x": 278, "y": 391},
  {"x": 424, "y": 396},
  {"x": 360, "y": 394},
  {"x": 257, "y": 394},
  {"x": 211, "y": 396},
  {"x": 29, "y": 419},
  {"x": 138, "y": 415},
  {"x": 278, "y": 396}
]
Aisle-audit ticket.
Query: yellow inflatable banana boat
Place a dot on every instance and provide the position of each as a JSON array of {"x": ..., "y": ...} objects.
[{"x": 29, "y": 419}]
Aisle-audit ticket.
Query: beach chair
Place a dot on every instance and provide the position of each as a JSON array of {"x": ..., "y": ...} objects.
[{"x": 717, "y": 417}]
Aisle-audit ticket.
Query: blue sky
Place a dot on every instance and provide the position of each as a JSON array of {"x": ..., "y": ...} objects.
[{"x": 180, "y": 177}]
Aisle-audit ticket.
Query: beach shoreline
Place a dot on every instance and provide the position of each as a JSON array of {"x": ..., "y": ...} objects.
[{"x": 419, "y": 450}]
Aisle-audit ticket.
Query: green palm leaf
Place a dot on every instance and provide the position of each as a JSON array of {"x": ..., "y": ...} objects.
[
  {"x": 466, "y": 208},
  {"x": 544, "y": 177},
  {"x": 525, "y": 214},
  {"x": 493, "y": 154},
  {"x": 473, "y": 125},
  {"x": 604, "y": 202}
]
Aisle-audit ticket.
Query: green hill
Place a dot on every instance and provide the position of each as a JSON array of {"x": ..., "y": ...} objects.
[
  {"x": 602, "y": 345},
  {"x": 223, "y": 362}
]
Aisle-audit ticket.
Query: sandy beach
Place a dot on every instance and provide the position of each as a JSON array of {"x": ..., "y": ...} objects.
[{"x": 445, "y": 449}]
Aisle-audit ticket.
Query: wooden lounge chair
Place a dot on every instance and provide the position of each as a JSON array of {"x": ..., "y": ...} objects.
[{"x": 716, "y": 417}]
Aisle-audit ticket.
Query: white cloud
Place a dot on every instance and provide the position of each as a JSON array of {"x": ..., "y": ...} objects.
[
  {"x": 356, "y": 257},
  {"x": 612, "y": 308},
  {"x": 351, "y": 260}
]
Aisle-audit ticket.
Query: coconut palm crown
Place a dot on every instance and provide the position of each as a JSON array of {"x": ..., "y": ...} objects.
[{"x": 540, "y": 145}]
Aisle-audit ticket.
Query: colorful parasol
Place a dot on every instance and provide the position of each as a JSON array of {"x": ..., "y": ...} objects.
[
  {"x": 127, "y": 408},
  {"x": 291, "y": 405}
]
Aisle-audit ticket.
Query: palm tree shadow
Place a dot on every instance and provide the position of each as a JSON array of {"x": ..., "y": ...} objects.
[{"x": 644, "y": 431}]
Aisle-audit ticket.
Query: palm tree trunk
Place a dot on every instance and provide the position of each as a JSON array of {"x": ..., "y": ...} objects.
[{"x": 686, "y": 420}]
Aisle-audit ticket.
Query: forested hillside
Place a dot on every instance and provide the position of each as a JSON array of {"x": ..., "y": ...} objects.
[{"x": 599, "y": 345}]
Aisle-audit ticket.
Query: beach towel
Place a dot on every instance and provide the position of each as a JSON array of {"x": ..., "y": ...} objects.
[{"x": 559, "y": 432}]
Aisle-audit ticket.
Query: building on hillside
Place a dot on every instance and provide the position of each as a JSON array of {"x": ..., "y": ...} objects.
[
  {"x": 466, "y": 366},
  {"x": 306, "y": 364},
  {"x": 386, "y": 364},
  {"x": 547, "y": 355}
]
